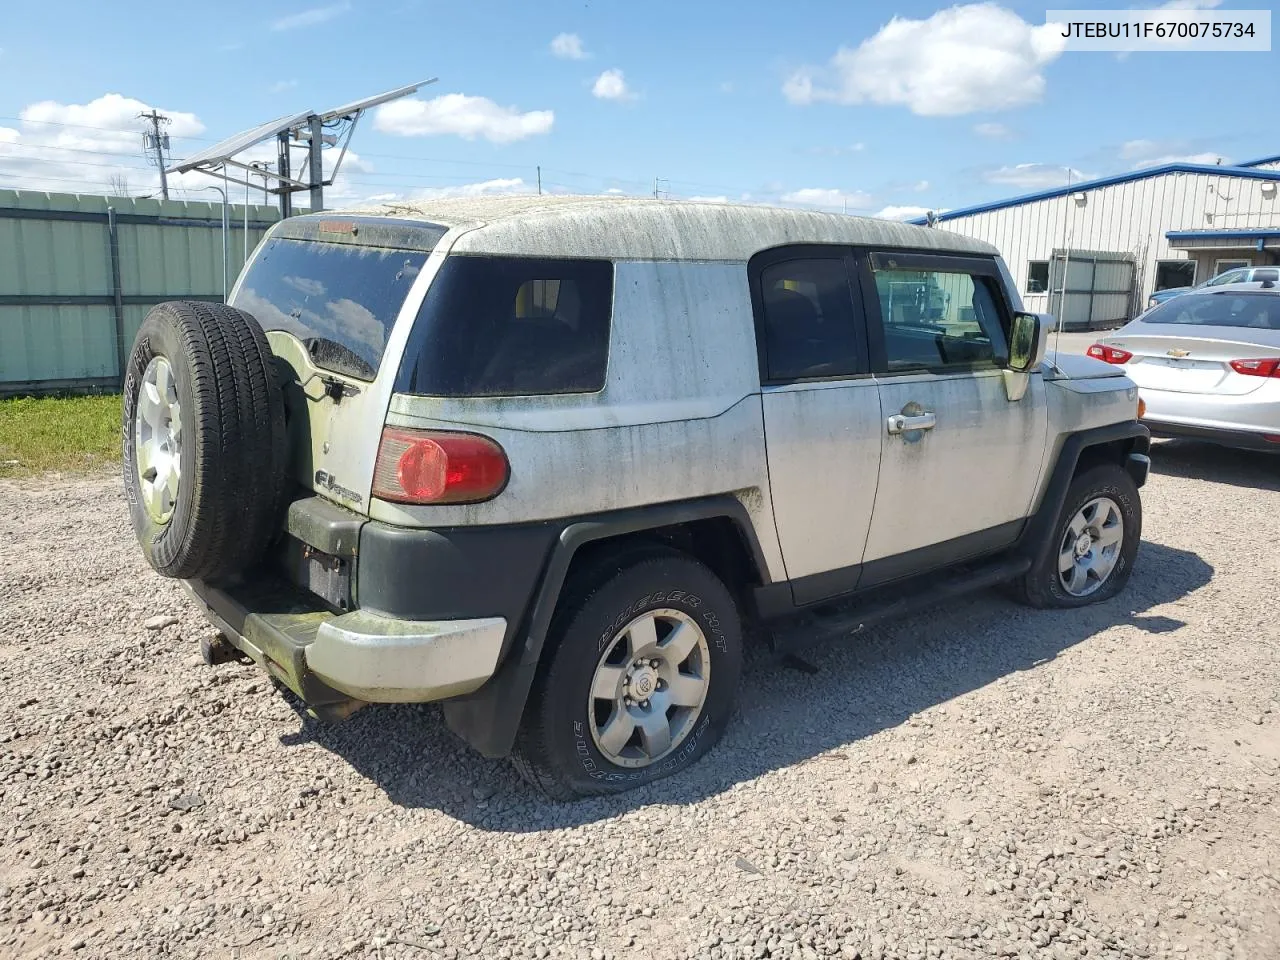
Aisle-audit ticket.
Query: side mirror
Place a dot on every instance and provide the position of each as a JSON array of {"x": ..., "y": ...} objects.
[{"x": 1027, "y": 341}]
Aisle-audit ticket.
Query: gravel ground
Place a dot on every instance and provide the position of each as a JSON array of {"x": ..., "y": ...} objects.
[{"x": 982, "y": 781}]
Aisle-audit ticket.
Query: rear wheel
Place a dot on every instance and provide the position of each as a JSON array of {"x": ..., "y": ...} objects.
[
  {"x": 1090, "y": 556},
  {"x": 641, "y": 679},
  {"x": 204, "y": 440}
]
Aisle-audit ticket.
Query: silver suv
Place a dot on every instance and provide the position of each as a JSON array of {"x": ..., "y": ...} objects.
[{"x": 548, "y": 460}]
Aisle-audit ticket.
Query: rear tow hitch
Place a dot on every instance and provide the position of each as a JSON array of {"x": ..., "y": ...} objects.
[{"x": 218, "y": 649}]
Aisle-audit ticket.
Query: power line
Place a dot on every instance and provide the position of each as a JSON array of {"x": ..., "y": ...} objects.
[{"x": 85, "y": 126}]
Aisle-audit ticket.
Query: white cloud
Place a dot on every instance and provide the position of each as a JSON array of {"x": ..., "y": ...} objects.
[
  {"x": 1135, "y": 149},
  {"x": 1189, "y": 5},
  {"x": 972, "y": 57},
  {"x": 82, "y": 148},
  {"x": 568, "y": 46},
  {"x": 838, "y": 151},
  {"x": 1033, "y": 175},
  {"x": 485, "y": 188},
  {"x": 827, "y": 198},
  {"x": 1155, "y": 153},
  {"x": 611, "y": 85},
  {"x": 463, "y": 116},
  {"x": 993, "y": 131},
  {"x": 1208, "y": 158},
  {"x": 280, "y": 86},
  {"x": 921, "y": 186},
  {"x": 311, "y": 17},
  {"x": 900, "y": 213}
]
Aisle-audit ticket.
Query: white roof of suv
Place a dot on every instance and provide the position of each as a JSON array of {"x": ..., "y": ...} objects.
[{"x": 631, "y": 228}]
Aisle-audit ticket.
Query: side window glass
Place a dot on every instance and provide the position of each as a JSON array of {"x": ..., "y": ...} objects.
[
  {"x": 511, "y": 326},
  {"x": 810, "y": 328},
  {"x": 935, "y": 318}
]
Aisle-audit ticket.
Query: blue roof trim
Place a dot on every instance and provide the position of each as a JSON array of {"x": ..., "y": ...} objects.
[
  {"x": 1221, "y": 171},
  {"x": 1260, "y": 161},
  {"x": 1222, "y": 235}
]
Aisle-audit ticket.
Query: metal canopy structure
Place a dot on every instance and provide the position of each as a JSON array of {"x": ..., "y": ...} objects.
[{"x": 329, "y": 128}]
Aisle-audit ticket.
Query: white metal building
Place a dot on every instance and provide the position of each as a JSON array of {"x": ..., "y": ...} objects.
[{"x": 1117, "y": 239}]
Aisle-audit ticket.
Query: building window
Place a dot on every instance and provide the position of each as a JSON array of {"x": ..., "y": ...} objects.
[
  {"x": 1171, "y": 274},
  {"x": 1222, "y": 266},
  {"x": 1037, "y": 276}
]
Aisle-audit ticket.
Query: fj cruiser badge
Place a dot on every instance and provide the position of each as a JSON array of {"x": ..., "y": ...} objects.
[{"x": 326, "y": 480}]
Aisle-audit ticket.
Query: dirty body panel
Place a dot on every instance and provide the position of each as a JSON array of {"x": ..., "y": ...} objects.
[{"x": 380, "y": 600}]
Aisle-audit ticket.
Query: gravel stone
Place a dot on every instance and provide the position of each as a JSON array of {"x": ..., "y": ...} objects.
[{"x": 1082, "y": 784}]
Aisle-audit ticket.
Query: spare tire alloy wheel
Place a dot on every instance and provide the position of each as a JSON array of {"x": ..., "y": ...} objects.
[
  {"x": 158, "y": 440},
  {"x": 649, "y": 687},
  {"x": 205, "y": 453}
]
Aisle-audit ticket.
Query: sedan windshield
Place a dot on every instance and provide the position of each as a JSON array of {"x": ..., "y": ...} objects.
[{"x": 1259, "y": 311}]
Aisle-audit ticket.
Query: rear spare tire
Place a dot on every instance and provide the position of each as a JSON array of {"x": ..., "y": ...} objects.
[{"x": 205, "y": 451}]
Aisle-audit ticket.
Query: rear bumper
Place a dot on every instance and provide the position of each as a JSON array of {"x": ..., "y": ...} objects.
[
  {"x": 329, "y": 659},
  {"x": 1245, "y": 440},
  {"x": 1256, "y": 412}
]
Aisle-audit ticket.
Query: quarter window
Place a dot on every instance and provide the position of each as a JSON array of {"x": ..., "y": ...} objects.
[
  {"x": 810, "y": 329},
  {"x": 511, "y": 326},
  {"x": 937, "y": 318}
]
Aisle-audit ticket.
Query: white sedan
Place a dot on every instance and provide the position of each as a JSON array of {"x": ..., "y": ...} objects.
[{"x": 1207, "y": 364}]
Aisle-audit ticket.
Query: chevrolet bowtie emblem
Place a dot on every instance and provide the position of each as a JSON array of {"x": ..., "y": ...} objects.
[{"x": 1179, "y": 353}]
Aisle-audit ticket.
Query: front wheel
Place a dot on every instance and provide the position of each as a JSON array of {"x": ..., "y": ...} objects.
[
  {"x": 641, "y": 678},
  {"x": 1094, "y": 543}
]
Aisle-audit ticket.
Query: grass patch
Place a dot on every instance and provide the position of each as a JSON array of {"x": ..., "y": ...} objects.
[{"x": 71, "y": 434}]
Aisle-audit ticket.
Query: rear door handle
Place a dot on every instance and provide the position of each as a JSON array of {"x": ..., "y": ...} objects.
[{"x": 901, "y": 423}]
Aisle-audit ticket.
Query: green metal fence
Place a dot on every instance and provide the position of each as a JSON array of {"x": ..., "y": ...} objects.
[{"x": 78, "y": 273}]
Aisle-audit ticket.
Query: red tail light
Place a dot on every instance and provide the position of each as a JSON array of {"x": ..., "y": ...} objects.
[
  {"x": 429, "y": 466},
  {"x": 1269, "y": 367},
  {"x": 1100, "y": 351}
]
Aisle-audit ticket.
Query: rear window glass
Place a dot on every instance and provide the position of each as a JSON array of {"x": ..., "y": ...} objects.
[
  {"x": 511, "y": 326},
  {"x": 1260, "y": 311},
  {"x": 339, "y": 299}
]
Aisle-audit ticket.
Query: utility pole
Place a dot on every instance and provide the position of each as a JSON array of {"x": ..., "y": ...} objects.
[
  {"x": 316, "y": 164},
  {"x": 539, "y": 180},
  {"x": 158, "y": 142}
]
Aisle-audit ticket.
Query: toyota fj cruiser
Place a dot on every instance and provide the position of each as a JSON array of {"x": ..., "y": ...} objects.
[{"x": 545, "y": 459}]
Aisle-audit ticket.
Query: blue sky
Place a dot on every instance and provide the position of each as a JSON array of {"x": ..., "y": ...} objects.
[{"x": 812, "y": 103}]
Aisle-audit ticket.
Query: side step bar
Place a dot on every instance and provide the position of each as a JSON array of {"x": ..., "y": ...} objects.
[{"x": 842, "y": 619}]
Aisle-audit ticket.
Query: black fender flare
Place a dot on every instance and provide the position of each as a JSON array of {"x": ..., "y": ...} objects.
[
  {"x": 1134, "y": 439},
  {"x": 489, "y": 718}
]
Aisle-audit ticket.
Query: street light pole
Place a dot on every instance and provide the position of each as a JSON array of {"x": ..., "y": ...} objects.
[{"x": 224, "y": 236}]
